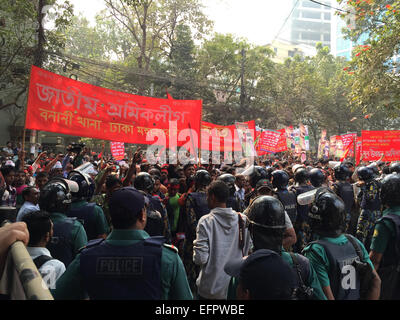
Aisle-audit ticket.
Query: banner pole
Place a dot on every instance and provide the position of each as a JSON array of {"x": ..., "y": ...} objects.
[{"x": 22, "y": 164}]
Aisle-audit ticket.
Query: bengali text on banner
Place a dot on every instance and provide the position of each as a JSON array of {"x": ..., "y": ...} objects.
[
  {"x": 376, "y": 143},
  {"x": 63, "y": 105}
]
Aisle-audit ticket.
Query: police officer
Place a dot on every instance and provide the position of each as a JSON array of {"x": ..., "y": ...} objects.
[
  {"x": 370, "y": 205},
  {"x": 385, "y": 254},
  {"x": 395, "y": 167},
  {"x": 256, "y": 174},
  {"x": 129, "y": 264},
  {"x": 280, "y": 180},
  {"x": 69, "y": 234},
  {"x": 157, "y": 224},
  {"x": 90, "y": 214},
  {"x": 234, "y": 201},
  {"x": 345, "y": 191},
  {"x": 266, "y": 224},
  {"x": 301, "y": 176},
  {"x": 334, "y": 253},
  {"x": 196, "y": 206},
  {"x": 317, "y": 177}
]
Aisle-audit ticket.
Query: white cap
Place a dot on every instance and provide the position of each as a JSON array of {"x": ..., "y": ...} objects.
[
  {"x": 296, "y": 166},
  {"x": 10, "y": 163},
  {"x": 57, "y": 165}
]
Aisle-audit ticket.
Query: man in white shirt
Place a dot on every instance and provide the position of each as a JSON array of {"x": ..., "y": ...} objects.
[
  {"x": 40, "y": 229},
  {"x": 31, "y": 197}
]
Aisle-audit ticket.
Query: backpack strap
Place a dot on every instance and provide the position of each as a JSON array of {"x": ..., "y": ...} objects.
[
  {"x": 92, "y": 243},
  {"x": 356, "y": 246},
  {"x": 241, "y": 232},
  {"x": 41, "y": 260}
]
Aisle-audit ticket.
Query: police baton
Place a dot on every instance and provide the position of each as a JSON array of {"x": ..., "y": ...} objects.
[{"x": 31, "y": 280}]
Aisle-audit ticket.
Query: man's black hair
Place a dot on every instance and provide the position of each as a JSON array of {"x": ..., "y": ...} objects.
[
  {"x": 220, "y": 190},
  {"x": 187, "y": 165},
  {"x": 38, "y": 224},
  {"x": 173, "y": 181},
  {"x": 112, "y": 181},
  {"x": 5, "y": 171},
  {"x": 42, "y": 174},
  {"x": 27, "y": 191}
]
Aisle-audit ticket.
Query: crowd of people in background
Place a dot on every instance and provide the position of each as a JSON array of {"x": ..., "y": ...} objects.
[{"x": 278, "y": 228}]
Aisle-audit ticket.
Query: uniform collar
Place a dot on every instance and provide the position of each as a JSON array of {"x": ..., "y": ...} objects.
[
  {"x": 130, "y": 234},
  {"x": 78, "y": 204}
]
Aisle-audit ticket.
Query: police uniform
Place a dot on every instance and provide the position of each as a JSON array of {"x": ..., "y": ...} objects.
[
  {"x": 196, "y": 206},
  {"x": 327, "y": 255},
  {"x": 384, "y": 241},
  {"x": 158, "y": 225},
  {"x": 370, "y": 211},
  {"x": 345, "y": 191},
  {"x": 68, "y": 237},
  {"x": 172, "y": 283},
  {"x": 94, "y": 220},
  {"x": 289, "y": 201}
]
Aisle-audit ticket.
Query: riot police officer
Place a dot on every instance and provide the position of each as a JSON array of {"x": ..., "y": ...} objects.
[
  {"x": 395, "y": 167},
  {"x": 266, "y": 224},
  {"x": 345, "y": 191},
  {"x": 301, "y": 176},
  {"x": 196, "y": 206},
  {"x": 157, "y": 217},
  {"x": 69, "y": 234},
  {"x": 90, "y": 214},
  {"x": 334, "y": 253},
  {"x": 256, "y": 174},
  {"x": 280, "y": 180},
  {"x": 370, "y": 205},
  {"x": 129, "y": 264},
  {"x": 385, "y": 241},
  {"x": 234, "y": 201}
]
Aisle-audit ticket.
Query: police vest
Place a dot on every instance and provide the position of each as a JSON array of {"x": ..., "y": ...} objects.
[
  {"x": 234, "y": 203},
  {"x": 155, "y": 222},
  {"x": 61, "y": 244},
  {"x": 198, "y": 200},
  {"x": 302, "y": 211},
  {"x": 343, "y": 278},
  {"x": 86, "y": 214},
  {"x": 289, "y": 202},
  {"x": 345, "y": 191},
  {"x": 130, "y": 272}
]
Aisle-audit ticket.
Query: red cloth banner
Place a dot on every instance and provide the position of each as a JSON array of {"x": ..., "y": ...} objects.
[
  {"x": 282, "y": 144},
  {"x": 62, "y": 105},
  {"x": 358, "y": 150},
  {"x": 117, "y": 150},
  {"x": 348, "y": 144},
  {"x": 228, "y": 136},
  {"x": 376, "y": 143},
  {"x": 269, "y": 140}
]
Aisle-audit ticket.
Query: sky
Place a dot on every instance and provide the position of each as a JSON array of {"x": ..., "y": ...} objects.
[{"x": 257, "y": 20}]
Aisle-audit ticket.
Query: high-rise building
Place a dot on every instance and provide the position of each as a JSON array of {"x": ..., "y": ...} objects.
[{"x": 310, "y": 23}]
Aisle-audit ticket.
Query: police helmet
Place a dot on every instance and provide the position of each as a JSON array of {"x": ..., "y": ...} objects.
[
  {"x": 327, "y": 214},
  {"x": 390, "y": 190},
  {"x": 267, "y": 212},
  {"x": 301, "y": 175},
  {"x": 374, "y": 168},
  {"x": 56, "y": 195},
  {"x": 341, "y": 172},
  {"x": 85, "y": 183},
  {"x": 280, "y": 179},
  {"x": 202, "y": 178},
  {"x": 257, "y": 174},
  {"x": 229, "y": 180},
  {"x": 395, "y": 167},
  {"x": 317, "y": 177},
  {"x": 365, "y": 173},
  {"x": 144, "y": 182}
]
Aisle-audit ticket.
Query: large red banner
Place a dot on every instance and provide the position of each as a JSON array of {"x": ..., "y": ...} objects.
[
  {"x": 376, "y": 143},
  {"x": 63, "y": 105},
  {"x": 226, "y": 137}
]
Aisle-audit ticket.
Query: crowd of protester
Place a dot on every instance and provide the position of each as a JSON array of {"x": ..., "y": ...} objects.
[{"x": 206, "y": 231}]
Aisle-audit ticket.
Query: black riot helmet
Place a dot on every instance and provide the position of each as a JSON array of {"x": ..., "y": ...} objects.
[
  {"x": 365, "y": 173},
  {"x": 266, "y": 222},
  {"x": 280, "y": 179},
  {"x": 56, "y": 195},
  {"x": 395, "y": 167},
  {"x": 202, "y": 178},
  {"x": 301, "y": 175},
  {"x": 374, "y": 168},
  {"x": 144, "y": 182},
  {"x": 342, "y": 172},
  {"x": 317, "y": 177},
  {"x": 229, "y": 180},
  {"x": 85, "y": 183},
  {"x": 327, "y": 214},
  {"x": 390, "y": 190},
  {"x": 257, "y": 174}
]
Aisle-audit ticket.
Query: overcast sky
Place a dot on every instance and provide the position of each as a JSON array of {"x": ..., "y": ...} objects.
[{"x": 257, "y": 20}]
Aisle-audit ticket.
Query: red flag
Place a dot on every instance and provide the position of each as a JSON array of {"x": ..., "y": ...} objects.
[{"x": 346, "y": 152}]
